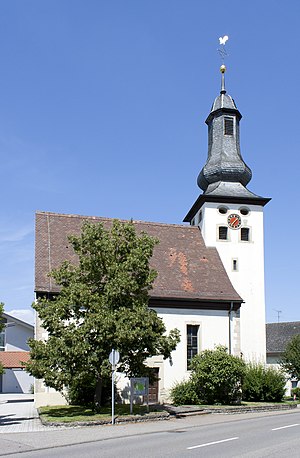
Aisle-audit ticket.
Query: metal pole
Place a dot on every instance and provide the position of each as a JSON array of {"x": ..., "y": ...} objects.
[
  {"x": 113, "y": 389},
  {"x": 113, "y": 397}
]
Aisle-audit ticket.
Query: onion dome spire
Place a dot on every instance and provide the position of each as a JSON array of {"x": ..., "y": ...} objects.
[{"x": 225, "y": 172}]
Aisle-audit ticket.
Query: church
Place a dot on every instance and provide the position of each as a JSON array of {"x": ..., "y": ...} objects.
[{"x": 210, "y": 282}]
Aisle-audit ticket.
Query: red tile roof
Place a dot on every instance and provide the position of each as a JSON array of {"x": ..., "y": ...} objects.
[
  {"x": 187, "y": 269},
  {"x": 13, "y": 359}
]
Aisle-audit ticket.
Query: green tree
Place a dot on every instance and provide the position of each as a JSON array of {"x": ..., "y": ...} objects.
[
  {"x": 290, "y": 359},
  {"x": 217, "y": 376},
  {"x": 103, "y": 304}
]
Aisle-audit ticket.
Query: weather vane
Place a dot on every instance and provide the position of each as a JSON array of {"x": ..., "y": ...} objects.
[
  {"x": 223, "y": 53},
  {"x": 221, "y": 50}
]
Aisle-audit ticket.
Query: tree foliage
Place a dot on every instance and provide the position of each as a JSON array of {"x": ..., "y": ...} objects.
[
  {"x": 290, "y": 359},
  {"x": 263, "y": 383},
  {"x": 103, "y": 304}
]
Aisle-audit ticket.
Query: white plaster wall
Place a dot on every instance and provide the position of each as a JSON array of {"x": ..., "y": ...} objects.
[
  {"x": 46, "y": 396},
  {"x": 213, "y": 330},
  {"x": 248, "y": 281},
  {"x": 16, "y": 381},
  {"x": 17, "y": 336}
]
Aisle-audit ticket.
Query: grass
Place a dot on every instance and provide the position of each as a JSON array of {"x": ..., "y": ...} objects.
[{"x": 68, "y": 413}]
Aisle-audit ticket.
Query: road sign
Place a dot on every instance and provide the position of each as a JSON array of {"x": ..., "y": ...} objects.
[{"x": 114, "y": 357}]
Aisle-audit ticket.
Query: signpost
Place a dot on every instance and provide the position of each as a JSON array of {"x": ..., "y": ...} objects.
[
  {"x": 114, "y": 358},
  {"x": 139, "y": 386}
]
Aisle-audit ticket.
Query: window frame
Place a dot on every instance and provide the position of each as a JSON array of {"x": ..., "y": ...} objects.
[
  {"x": 3, "y": 333},
  {"x": 235, "y": 265},
  {"x": 226, "y": 125},
  {"x": 248, "y": 229},
  {"x": 194, "y": 346},
  {"x": 222, "y": 226}
]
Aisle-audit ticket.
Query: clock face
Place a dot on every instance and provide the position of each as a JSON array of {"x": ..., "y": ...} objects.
[{"x": 234, "y": 221}]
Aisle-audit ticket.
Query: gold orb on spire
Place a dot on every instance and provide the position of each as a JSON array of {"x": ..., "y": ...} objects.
[{"x": 223, "y": 69}]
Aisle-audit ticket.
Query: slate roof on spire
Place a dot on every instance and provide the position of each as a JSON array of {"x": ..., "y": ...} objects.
[
  {"x": 223, "y": 101},
  {"x": 225, "y": 175}
]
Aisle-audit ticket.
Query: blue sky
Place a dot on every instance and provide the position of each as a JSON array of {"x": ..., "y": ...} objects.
[{"x": 102, "y": 110}]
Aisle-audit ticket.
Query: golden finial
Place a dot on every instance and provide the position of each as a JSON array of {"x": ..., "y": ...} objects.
[{"x": 222, "y": 68}]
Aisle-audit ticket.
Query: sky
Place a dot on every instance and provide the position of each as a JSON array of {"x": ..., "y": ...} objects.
[{"x": 102, "y": 110}]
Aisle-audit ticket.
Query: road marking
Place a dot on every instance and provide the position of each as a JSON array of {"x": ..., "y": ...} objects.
[
  {"x": 212, "y": 443},
  {"x": 283, "y": 427}
]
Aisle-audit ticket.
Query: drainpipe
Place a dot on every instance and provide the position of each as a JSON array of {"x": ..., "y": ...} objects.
[{"x": 229, "y": 326}]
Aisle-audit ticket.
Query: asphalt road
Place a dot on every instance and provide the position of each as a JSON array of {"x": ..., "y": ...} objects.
[{"x": 260, "y": 436}]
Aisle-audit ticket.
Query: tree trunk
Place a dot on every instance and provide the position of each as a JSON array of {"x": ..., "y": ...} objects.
[{"x": 98, "y": 394}]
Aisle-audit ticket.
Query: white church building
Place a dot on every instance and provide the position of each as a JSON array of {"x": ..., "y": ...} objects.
[{"x": 210, "y": 282}]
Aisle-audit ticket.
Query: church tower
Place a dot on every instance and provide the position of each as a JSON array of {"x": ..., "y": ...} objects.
[{"x": 230, "y": 218}]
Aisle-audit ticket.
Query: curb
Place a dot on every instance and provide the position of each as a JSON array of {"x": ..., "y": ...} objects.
[
  {"x": 118, "y": 420},
  {"x": 184, "y": 411}
]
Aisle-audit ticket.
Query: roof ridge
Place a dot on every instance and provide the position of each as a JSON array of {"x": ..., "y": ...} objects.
[
  {"x": 285, "y": 322},
  {"x": 103, "y": 218}
]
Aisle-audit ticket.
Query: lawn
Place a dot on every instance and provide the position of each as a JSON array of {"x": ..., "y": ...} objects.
[{"x": 68, "y": 413}]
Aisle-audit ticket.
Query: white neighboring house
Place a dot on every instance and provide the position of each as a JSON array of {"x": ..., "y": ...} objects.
[
  {"x": 14, "y": 351},
  {"x": 278, "y": 336}
]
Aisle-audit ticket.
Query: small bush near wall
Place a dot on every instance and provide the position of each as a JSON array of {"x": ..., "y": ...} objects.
[
  {"x": 184, "y": 393},
  {"x": 216, "y": 377},
  {"x": 263, "y": 384},
  {"x": 296, "y": 391}
]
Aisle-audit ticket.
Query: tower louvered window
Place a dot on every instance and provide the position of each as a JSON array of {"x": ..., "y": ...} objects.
[
  {"x": 245, "y": 232},
  {"x": 223, "y": 233},
  {"x": 228, "y": 126}
]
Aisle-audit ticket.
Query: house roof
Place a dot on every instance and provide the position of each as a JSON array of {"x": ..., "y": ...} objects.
[
  {"x": 11, "y": 318},
  {"x": 187, "y": 269},
  {"x": 279, "y": 334},
  {"x": 13, "y": 359}
]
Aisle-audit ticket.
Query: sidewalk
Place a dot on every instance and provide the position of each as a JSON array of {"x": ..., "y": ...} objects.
[
  {"x": 51, "y": 437},
  {"x": 18, "y": 414}
]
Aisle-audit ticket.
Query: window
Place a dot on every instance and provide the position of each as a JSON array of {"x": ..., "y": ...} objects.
[
  {"x": 244, "y": 211},
  {"x": 228, "y": 126},
  {"x": 245, "y": 234},
  {"x": 2, "y": 340},
  {"x": 192, "y": 332},
  {"x": 235, "y": 265},
  {"x": 223, "y": 233},
  {"x": 223, "y": 210}
]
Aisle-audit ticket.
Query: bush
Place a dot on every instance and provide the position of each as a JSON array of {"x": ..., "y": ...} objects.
[
  {"x": 82, "y": 391},
  {"x": 184, "y": 393},
  {"x": 263, "y": 384},
  {"x": 296, "y": 391},
  {"x": 217, "y": 376}
]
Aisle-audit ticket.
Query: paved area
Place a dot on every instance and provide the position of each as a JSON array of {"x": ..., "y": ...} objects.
[
  {"x": 49, "y": 438},
  {"x": 18, "y": 414}
]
